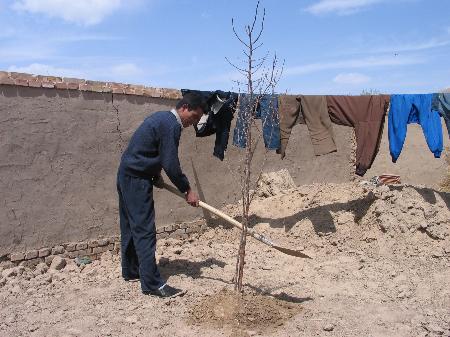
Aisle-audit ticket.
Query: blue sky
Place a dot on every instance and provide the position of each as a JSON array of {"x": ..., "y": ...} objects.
[{"x": 329, "y": 46}]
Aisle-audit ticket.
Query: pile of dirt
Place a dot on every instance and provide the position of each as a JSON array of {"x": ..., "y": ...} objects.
[
  {"x": 408, "y": 209},
  {"x": 248, "y": 311},
  {"x": 275, "y": 183}
]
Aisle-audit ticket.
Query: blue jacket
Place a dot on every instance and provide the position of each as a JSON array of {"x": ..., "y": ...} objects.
[
  {"x": 154, "y": 146},
  {"x": 406, "y": 109}
]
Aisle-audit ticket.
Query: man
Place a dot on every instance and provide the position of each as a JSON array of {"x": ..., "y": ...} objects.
[{"x": 154, "y": 146}]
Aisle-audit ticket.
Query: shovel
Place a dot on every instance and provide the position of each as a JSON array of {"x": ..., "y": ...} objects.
[{"x": 251, "y": 232}]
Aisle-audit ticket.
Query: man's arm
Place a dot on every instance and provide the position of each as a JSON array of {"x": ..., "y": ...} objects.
[{"x": 168, "y": 152}]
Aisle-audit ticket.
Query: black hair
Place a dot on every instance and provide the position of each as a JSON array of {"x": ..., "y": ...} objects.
[{"x": 193, "y": 101}]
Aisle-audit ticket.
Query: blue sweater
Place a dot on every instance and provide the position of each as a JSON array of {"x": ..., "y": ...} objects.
[{"x": 154, "y": 146}]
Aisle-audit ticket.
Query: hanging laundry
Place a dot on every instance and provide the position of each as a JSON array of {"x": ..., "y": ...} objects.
[
  {"x": 406, "y": 109},
  {"x": 265, "y": 108},
  {"x": 218, "y": 119},
  {"x": 315, "y": 112},
  {"x": 366, "y": 115},
  {"x": 289, "y": 112},
  {"x": 441, "y": 104}
]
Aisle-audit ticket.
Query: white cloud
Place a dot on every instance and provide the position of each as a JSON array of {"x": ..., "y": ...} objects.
[
  {"x": 351, "y": 78},
  {"x": 341, "y": 7},
  {"x": 369, "y": 62},
  {"x": 86, "y": 12},
  {"x": 432, "y": 43},
  {"x": 45, "y": 69},
  {"x": 125, "y": 69}
]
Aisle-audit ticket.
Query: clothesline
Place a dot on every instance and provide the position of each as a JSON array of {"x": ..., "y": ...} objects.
[{"x": 365, "y": 113}]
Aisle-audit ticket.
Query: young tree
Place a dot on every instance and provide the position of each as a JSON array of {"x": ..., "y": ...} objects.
[{"x": 259, "y": 80}]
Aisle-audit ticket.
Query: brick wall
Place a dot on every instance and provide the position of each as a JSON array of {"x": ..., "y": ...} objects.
[
  {"x": 94, "y": 248},
  {"x": 40, "y": 81}
]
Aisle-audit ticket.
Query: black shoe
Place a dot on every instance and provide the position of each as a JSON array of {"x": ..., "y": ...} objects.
[
  {"x": 166, "y": 291},
  {"x": 131, "y": 279}
]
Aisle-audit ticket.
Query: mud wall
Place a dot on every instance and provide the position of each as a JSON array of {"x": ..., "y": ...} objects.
[{"x": 60, "y": 149}]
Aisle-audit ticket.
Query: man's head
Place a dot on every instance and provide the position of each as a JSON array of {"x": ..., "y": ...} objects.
[{"x": 191, "y": 108}]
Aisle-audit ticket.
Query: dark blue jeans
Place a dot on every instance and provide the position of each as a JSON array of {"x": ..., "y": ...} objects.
[
  {"x": 267, "y": 111},
  {"x": 138, "y": 231}
]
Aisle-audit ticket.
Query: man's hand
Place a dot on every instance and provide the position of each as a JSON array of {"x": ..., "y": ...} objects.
[
  {"x": 158, "y": 181},
  {"x": 192, "y": 198}
]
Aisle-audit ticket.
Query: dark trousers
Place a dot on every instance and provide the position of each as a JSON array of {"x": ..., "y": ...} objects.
[{"x": 138, "y": 231}]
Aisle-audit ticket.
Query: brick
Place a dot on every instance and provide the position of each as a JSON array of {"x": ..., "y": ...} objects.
[
  {"x": 61, "y": 85},
  {"x": 100, "y": 83},
  {"x": 85, "y": 87},
  {"x": 118, "y": 90},
  {"x": 73, "y": 85},
  {"x": 169, "y": 228},
  {"x": 6, "y": 80},
  {"x": 52, "y": 79},
  {"x": 192, "y": 230},
  {"x": 44, "y": 252},
  {"x": 98, "y": 250},
  {"x": 58, "y": 250},
  {"x": 32, "y": 254},
  {"x": 34, "y": 83},
  {"x": 93, "y": 244},
  {"x": 183, "y": 225},
  {"x": 81, "y": 246},
  {"x": 80, "y": 253},
  {"x": 106, "y": 89},
  {"x": 177, "y": 234},
  {"x": 103, "y": 242},
  {"x": 21, "y": 81},
  {"x": 152, "y": 92},
  {"x": 171, "y": 93},
  {"x": 114, "y": 239},
  {"x": 49, "y": 85},
  {"x": 15, "y": 75},
  {"x": 129, "y": 90},
  {"x": 97, "y": 88},
  {"x": 73, "y": 80},
  {"x": 162, "y": 235},
  {"x": 17, "y": 257},
  {"x": 71, "y": 247}
]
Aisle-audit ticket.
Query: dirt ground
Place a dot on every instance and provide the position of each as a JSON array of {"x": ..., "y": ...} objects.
[{"x": 380, "y": 267}]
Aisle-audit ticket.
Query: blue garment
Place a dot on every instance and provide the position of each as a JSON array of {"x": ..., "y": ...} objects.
[
  {"x": 154, "y": 146},
  {"x": 441, "y": 103},
  {"x": 406, "y": 109},
  {"x": 267, "y": 111},
  {"x": 137, "y": 231}
]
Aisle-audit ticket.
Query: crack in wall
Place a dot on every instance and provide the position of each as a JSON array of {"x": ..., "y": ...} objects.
[{"x": 118, "y": 126}]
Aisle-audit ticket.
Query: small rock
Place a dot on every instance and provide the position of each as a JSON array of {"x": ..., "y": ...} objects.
[
  {"x": 58, "y": 263},
  {"x": 328, "y": 327},
  {"x": 2, "y": 281}
]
